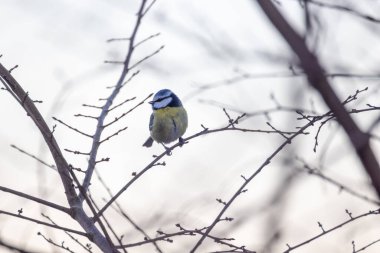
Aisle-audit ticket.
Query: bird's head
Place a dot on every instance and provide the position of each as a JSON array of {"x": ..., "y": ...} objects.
[{"x": 165, "y": 98}]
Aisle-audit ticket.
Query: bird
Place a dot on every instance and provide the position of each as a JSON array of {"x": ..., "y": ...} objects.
[{"x": 168, "y": 121}]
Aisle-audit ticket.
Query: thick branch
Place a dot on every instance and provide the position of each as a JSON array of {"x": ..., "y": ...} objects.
[
  {"x": 22, "y": 97},
  {"x": 317, "y": 79},
  {"x": 63, "y": 168}
]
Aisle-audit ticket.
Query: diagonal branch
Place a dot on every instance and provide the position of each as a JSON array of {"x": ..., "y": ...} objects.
[
  {"x": 317, "y": 79},
  {"x": 229, "y": 127},
  {"x": 21, "y": 96},
  {"x": 324, "y": 232},
  {"x": 51, "y": 166},
  {"x": 317, "y": 173},
  {"x": 247, "y": 180},
  {"x": 64, "y": 170},
  {"x": 35, "y": 199},
  {"x": 44, "y": 223},
  {"x": 105, "y": 109},
  {"x": 344, "y": 9},
  {"x": 76, "y": 210},
  {"x": 14, "y": 248}
]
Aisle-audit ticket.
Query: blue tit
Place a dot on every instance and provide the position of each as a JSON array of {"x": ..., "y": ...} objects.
[{"x": 168, "y": 121}]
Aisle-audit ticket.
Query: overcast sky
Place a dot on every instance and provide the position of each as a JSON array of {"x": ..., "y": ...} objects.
[{"x": 60, "y": 47}]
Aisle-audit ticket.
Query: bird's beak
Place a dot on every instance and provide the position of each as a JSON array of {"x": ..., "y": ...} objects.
[{"x": 151, "y": 102}]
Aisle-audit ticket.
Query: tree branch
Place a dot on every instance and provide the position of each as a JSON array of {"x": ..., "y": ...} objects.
[
  {"x": 324, "y": 232},
  {"x": 106, "y": 108},
  {"x": 38, "y": 200},
  {"x": 317, "y": 79},
  {"x": 45, "y": 223},
  {"x": 76, "y": 209}
]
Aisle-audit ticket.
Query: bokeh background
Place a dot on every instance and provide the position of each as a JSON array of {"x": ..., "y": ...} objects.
[{"x": 218, "y": 54}]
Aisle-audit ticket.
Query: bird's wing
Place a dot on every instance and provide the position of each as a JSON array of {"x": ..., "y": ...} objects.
[{"x": 151, "y": 122}]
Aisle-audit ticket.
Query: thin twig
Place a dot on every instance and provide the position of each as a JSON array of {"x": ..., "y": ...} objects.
[
  {"x": 51, "y": 166},
  {"x": 315, "y": 172},
  {"x": 204, "y": 131},
  {"x": 35, "y": 199},
  {"x": 316, "y": 76},
  {"x": 72, "y": 128},
  {"x": 242, "y": 188},
  {"x": 14, "y": 248},
  {"x": 344, "y": 9},
  {"x": 147, "y": 57},
  {"x": 107, "y": 222},
  {"x": 366, "y": 246},
  {"x": 62, "y": 245},
  {"x": 111, "y": 98},
  {"x": 351, "y": 219},
  {"x": 127, "y": 112},
  {"x": 44, "y": 223},
  {"x": 118, "y": 105},
  {"x": 119, "y": 209},
  {"x": 86, "y": 247},
  {"x": 146, "y": 39}
]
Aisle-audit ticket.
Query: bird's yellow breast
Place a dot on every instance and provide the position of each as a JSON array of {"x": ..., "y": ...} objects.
[{"x": 169, "y": 124}]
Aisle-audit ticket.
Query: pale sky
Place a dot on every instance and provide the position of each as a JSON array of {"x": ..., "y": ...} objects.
[{"x": 60, "y": 47}]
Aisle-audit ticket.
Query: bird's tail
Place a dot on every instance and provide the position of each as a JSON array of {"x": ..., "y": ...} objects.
[{"x": 148, "y": 142}]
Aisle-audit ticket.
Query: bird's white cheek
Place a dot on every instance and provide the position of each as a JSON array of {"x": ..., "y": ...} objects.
[{"x": 162, "y": 103}]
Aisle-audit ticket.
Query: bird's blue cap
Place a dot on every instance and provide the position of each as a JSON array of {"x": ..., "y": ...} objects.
[{"x": 163, "y": 95}]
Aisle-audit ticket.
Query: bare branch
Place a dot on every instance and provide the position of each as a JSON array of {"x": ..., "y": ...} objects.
[
  {"x": 63, "y": 167},
  {"x": 147, "y": 57},
  {"x": 107, "y": 222},
  {"x": 148, "y": 7},
  {"x": 86, "y": 247},
  {"x": 118, "y": 105},
  {"x": 274, "y": 75},
  {"x": 344, "y": 9},
  {"x": 14, "y": 248},
  {"x": 92, "y": 106},
  {"x": 146, "y": 39},
  {"x": 116, "y": 39},
  {"x": 76, "y": 152},
  {"x": 114, "y": 134},
  {"x": 62, "y": 245},
  {"x": 72, "y": 128},
  {"x": 109, "y": 101},
  {"x": 247, "y": 180},
  {"x": 86, "y": 116},
  {"x": 315, "y": 172},
  {"x": 364, "y": 247},
  {"x": 230, "y": 126},
  {"x": 51, "y": 166},
  {"x": 35, "y": 199},
  {"x": 44, "y": 223},
  {"x": 127, "y": 112},
  {"x": 189, "y": 232},
  {"x": 317, "y": 79},
  {"x": 327, "y": 231},
  {"x": 120, "y": 210}
]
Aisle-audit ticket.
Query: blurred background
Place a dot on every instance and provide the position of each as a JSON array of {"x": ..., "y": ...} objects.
[{"x": 218, "y": 54}]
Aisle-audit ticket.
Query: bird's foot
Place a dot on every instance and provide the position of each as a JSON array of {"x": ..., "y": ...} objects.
[
  {"x": 181, "y": 141},
  {"x": 168, "y": 151}
]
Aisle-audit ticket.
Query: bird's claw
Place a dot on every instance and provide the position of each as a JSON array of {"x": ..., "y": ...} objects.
[
  {"x": 181, "y": 141},
  {"x": 168, "y": 151}
]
